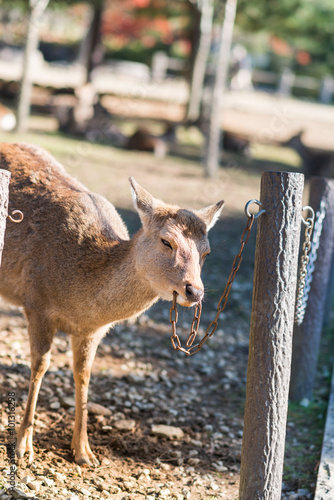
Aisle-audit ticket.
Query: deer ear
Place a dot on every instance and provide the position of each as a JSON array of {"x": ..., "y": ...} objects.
[
  {"x": 143, "y": 201},
  {"x": 211, "y": 214}
]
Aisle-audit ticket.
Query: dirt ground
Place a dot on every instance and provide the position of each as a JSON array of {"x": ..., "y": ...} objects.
[
  {"x": 138, "y": 380},
  {"x": 137, "y": 376}
]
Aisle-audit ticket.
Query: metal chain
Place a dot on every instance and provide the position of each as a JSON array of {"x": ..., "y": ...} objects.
[
  {"x": 302, "y": 296},
  {"x": 222, "y": 301},
  {"x": 309, "y": 222}
]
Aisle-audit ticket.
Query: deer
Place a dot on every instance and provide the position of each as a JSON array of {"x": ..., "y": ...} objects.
[
  {"x": 71, "y": 265},
  {"x": 315, "y": 162}
]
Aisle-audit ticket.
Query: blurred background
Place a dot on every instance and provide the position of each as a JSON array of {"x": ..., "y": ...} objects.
[
  {"x": 233, "y": 86},
  {"x": 194, "y": 98}
]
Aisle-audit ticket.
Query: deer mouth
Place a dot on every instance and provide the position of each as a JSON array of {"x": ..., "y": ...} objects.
[{"x": 184, "y": 301}]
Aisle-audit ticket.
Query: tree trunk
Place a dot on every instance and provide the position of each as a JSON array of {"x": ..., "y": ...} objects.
[
  {"x": 200, "y": 61},
  {"x": 91, "y": 50},
  {"x": 270, "y": 343},
  {"x": 214, "y": 129},
  {"x": 36, "y": 10}
]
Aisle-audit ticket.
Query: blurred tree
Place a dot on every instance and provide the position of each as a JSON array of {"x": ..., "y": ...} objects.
[
  {"x": 203, "y": 15},
  {"x": 304, "y": 25},
  {"x": 214, "y": 133},
  {"x": 36, "y": 10},
  {"x": 91, "y": 50}
]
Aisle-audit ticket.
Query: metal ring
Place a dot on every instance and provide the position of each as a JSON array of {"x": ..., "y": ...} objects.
[
  {"x": 307, "y": 207},
  {"x": 257, "y": 202},
  {"x": 15, "y": 212}
]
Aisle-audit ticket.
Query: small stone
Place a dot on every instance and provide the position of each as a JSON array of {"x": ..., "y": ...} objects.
[
  {"x": 105, "y": 461},
  {"x": 68, "y": 402},
  {"x": 193, "y": 461},
  {"x": 197, "y": 442},
  {"x": 167, "y": 431},
  {"x": 113, "y": 489},
  {"x": 303, "y": 492},
  {"x": 48, "y": 482},
  {"x": 27, "y": 479},
  {"x": 48, "y": 470},
  {"x": 106, "y": 428},
  {"x": 55, "y": 405},
  {"x": 17, "y": 493},
  {"x": 125, "y": 425},
  {"x": 99, "y": 484},
  {"x": 164, "y": 493},
  {"x": 165, "y": 466},
  {"x": 305, "y": 402},
  {"x": 219, "y": 467},
  {"x": 97, "y": 409},
  {"x": 293, "y": 496},
  {"x": 224, "y": 428},
  {"x": 85, "y": 492},
  {"x": 35, "y": 485},
  {"x": 59, "y": 477},
  {"x": 128, "y": 485},
  {"x": 190, "y": 470}
]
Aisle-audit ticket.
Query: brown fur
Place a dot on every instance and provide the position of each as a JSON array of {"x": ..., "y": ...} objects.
[{"x": 72, "y": 266}]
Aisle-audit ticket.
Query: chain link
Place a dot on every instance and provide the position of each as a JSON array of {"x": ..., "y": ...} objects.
[
  {"x": 305, "y": 279},
  {"x": 222, "y": 301}
]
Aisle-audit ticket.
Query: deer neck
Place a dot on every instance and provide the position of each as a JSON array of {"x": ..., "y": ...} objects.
[{"x": 129, "y": 293}]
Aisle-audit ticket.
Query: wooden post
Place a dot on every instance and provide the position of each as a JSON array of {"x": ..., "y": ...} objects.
[
  {"x": 4, "y": 189},
  {"x": 330, "y": 295},
  {"x": 270, "y": 344},
  {"x": 307, "y": 336}
]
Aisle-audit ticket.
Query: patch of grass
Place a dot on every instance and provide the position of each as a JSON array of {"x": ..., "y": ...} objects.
[
  {"x": 303, "y": 444},
  {"x": 306, "y": 425}
]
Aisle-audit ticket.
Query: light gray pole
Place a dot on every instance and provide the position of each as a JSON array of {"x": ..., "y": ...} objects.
[
  {"x": 306, "y": 337},
  {"x": 36, "y": 10},
  {"x": 270, "y": 344},
  {"x": 4, "y": 189}
]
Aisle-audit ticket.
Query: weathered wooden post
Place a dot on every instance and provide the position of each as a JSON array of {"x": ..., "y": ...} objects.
[
  {"x": 330, "y": 295},
  {"x": 306, "y": 337},
  {"x": 4, "y": 189},
  {"x": 270, "y": 345}
]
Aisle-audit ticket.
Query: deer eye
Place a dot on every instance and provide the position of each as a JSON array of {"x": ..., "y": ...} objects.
[
  {"x": 205, "y": 255},
  {"x": 166, "y": 243}
]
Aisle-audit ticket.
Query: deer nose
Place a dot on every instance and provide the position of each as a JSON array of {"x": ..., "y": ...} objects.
[{"x": 194, "y": 294}]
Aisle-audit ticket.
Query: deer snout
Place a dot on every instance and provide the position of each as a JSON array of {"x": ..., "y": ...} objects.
[{"x": 194, "y": 294}]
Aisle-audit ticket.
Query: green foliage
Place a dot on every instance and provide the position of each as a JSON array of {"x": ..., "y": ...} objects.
[{"x": 303, "y": 24}]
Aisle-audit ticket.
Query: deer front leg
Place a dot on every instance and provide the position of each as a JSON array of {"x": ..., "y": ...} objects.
[
  {"x": 84, "y": 349},
  {"x": 41, "y": 335}
]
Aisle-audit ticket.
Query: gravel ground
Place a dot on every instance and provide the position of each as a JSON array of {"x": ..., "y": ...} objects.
[{"x": 138, "y": 384}]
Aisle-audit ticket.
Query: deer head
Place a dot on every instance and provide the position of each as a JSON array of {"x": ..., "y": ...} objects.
[{"x": 172, "y": 246}]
